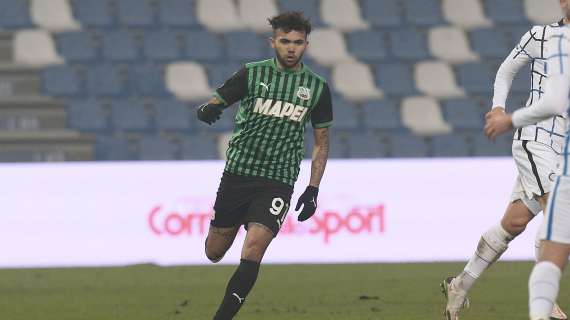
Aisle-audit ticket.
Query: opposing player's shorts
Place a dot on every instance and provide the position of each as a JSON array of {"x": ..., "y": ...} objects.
[
  {"x": 241, "y": 200},
  {"x": 556, "y": 225},
  {"x": 537, "y": 167}
]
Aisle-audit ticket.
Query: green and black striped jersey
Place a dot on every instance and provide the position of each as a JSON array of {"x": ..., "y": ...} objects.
[{"x": 268, "y": 138}]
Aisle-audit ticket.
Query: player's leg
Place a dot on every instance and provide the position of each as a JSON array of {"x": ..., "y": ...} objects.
[{"x": 218, "y": 242}]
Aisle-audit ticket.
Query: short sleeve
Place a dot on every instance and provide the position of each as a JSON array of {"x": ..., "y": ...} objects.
[
  {"x": 234, "y": 89},
  {"x": 322, "y": 114}
]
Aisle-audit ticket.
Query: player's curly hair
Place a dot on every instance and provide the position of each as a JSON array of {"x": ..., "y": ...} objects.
[{"x": 289, "y": 21}]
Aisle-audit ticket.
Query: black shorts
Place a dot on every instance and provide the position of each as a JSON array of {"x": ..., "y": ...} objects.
[{"x": 241, "y": 200}]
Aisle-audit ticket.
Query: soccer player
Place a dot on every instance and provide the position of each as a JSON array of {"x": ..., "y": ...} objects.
[
  {"x": 535, "y": 150},
  {"x": 555, "y": 229},
  {"x": 278, "y": 96}
]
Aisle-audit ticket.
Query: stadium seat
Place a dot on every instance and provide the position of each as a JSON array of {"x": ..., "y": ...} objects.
[
  {"x": 368, "y": 45},
  {"x": 53, "y": 15},
  {"x": 76, "y": 46},
  {"x": 129, "y": 115},
  {"x": 483, "y": 147},
  {"x": 120, "y": 45},
  {"x": 423, "y": 12},
  {"x": 219, "y": 15},
  {"x": 178, "y": 13},
  {"x": 61, "y": 80},
  {"x": 463, "y": 114},
  {"x": 162, "y": 45},
  {"x": 366, "y": 145},
  {"x": 515, "y": 101},
  {"x": 354, "y": 80},
  {"x": 244, "y": 46},
  {"x": 490, "y": 43},
  {"x": 156, "y": 148},
  {"x": 423, "y": 116},
  {"x": 475, "y": 77},
  {"x": 14, "y": 14},
  {"x": 35, "y": 48},
  {"x": 381, "y": 114},
  {"x": 328, "y": 47},
  {"x": 87, "y": 115},
  {"x": 445, "y": 86},
  {"x": 467, "y": 14},
  {"x": 408, "y": 44},
  {"x": 93, "y": 13},
  {"x": 199, "y": 147},
  {"x": 322, "y": 71},
  {"x": 395, "y": 79},
  {"x": 521, "y": 82},
  {"x": 219, "y": 73},
  {"x": 342, "y": 15},
  {"x": 405, "y": 145},
  {"x": 451, "y": 145},
  {"x": 310, "y": 9},
  {"x": 505, "y": 11},
  {"x": 203, "y": 46},
  {"x": 172, "y": 115},
  {"x": 338, "y": 144},
  {"x": 135, "y": 13},
  {"x": 514, "y": 34},
  {"x": 382, "y": 13},
  {"x": 450, "y": 44},
  {"x": 105, "y": 80},
  {"x": 187, "y": 81},
  {"x": 346, "y": 114},
  {"x": 254, "y": 13},
  {"x": 147, "y": 80},
  {"x": 113, "y": 148},
  {"x": 542, "y": 12}
]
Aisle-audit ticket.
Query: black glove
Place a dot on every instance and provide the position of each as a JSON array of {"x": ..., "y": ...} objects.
[
  {"x": 209, "y": 113},
  {"x": 309, "y": 201}
]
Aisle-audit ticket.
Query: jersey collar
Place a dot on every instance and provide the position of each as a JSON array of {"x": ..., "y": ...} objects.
[{"x": 274, "y": 64}]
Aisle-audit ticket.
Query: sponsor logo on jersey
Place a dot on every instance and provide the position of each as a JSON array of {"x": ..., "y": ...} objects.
[
  {"x": 279, "y": 109},
  {"x": 304, "y": 93}
]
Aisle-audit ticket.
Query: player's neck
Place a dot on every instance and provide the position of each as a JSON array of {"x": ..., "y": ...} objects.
[
  {"x": 280, "y": 66},
  {"x": 565, "y": 20}
]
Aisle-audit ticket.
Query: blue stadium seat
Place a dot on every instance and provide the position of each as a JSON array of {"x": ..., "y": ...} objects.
[
  {"x": 62, "y": 80},
  {"x": 87, "y": 115},
  {"x": 515, "y": 33},
  {"x": 483, "y": 147},
  {"x": 515, "y": 101},
  {"x": 93, "y": 13},
  {"x": 15, "y": 14},
  {"x": 521, "y": 82},
  {"x": 157, "y": 148},
  {"x": 451, "y": 145},
  {"x": 367, "y": 145},
  {"x": 129, "y": 115},
  {"x": 203, "y": 46},
  {"x": 135, "y": 13},
  {"x": 322, "y": 71},
  {"x": 381, "y": 114},
  {"x": 227, "y": 120},
  {"x": 120, "y": 45},
  {"x": 218, "y": 73},
  {"x": 505, "y": 11},
  {"x": 199, "y": 147},
  {"x": 463, "y": 114},
  {"x": 173, "y": 115},
  {"x": 105, "y": 80},
  {"x": 244, "y": 46},
  {"x": 406, "y": 145},
  {"x": 382, "y": 13},
  {"x": 346, "y": 114},
  {"x": 367, "y": 45},
  {"x": 423, "y": 12},
  {"x": 395, "y": 79},
  {"x": 162, "y": 45},
  {"x": 178, "y": 13},
  {"x": 147, "y": 80},
  {"x": 76, "y": 46},
  {"x": 475, "y": 77},
  {"x": 490, "y": 43},
  {"x": 113, "y": 148},
  {"x": 310, "y": 8},
  {"x": 409, "y": 44}
]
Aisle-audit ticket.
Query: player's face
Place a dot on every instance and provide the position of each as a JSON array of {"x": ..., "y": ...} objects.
[
  {"x": 565, "y": 7},
  {"x": 289, "y": 47}
]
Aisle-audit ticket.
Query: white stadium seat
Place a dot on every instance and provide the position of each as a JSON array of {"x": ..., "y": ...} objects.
[
  {"x": 355, "y": 81},
  {"x": 467, "y": 14},
  {"x": 436, "y": 79},
  {"x": 342, "y": 14},
  {"x": 187, "y": 81},
  {"x": 35, "y": 47},
  {"x": 223, "y": 144},
  {"x": 423, "y": 116},
  {"x": 219, "y": 15},
  {"x": 53, "y": 15},
  {"x": 254, "y": 13},
  {"x": 543, "y": 12},
  {"x": 450, "y": 44},
  {"x": 327, "y": 46}
]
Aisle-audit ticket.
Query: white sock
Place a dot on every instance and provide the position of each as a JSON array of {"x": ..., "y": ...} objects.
[
  {"x": 543, "y": 289},
  {"x": 491, "y": 246}
]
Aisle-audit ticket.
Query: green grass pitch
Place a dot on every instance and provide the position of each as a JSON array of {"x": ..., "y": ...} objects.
[{"x": 296, "y": 292}]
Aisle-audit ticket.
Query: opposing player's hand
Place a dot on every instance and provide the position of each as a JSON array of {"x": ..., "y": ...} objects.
[
  {"x": 309, "y": 201},
  {"x": 497, "y": 122},
  {"x": 209, "y": 113}
]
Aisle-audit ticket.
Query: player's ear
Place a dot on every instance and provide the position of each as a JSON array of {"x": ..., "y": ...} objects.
[{"x": 271, "y": 42}]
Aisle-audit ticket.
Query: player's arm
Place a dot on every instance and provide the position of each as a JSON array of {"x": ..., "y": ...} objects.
[
  {"x": 321, "y": 119},
  {"x": 233, "y": 90}
]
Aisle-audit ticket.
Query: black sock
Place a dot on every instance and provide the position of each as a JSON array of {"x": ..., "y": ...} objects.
[{"x": 239, "y": 286}]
